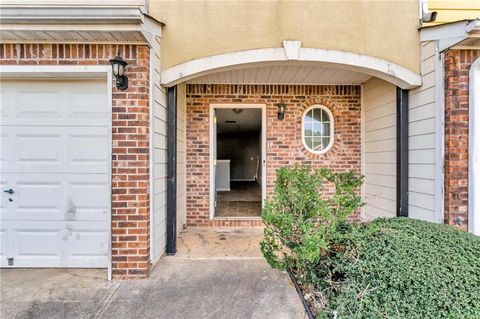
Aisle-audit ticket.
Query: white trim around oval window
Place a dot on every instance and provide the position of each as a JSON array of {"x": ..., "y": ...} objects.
[{"x": 332, "y": 128}]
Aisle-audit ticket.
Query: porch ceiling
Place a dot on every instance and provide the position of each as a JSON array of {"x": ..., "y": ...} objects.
[
  {"x": 249, "y": 120},
  {"x": 283, "y": 74}
]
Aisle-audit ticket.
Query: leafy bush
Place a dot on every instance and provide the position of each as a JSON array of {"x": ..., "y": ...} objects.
[
  {"x": 301, "y": 219},
  {"x": 397, "y": 268}
]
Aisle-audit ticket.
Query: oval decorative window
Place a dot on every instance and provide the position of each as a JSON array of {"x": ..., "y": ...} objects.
[{"x": 317, "y": 129}]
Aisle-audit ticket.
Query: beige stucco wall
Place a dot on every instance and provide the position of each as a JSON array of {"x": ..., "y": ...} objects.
[{"x": 195, "y": 29}]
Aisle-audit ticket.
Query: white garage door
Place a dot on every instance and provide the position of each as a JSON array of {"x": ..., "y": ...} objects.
[{"x": 55, "y": 164}]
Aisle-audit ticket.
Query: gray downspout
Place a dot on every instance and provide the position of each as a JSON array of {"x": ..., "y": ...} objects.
[
  {"x": 402, "y": 152},
  {"x": 172, "y": 171}
]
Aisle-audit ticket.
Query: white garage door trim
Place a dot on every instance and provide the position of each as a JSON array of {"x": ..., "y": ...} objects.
[
  {"x": 73, "y": 72},
  {"x": 474, "y": 150}
]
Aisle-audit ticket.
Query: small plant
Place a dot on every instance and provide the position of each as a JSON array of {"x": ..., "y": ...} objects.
[{"x": 301, "y": 219}]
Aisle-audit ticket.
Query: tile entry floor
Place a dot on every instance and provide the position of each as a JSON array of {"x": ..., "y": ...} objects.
[{"x": 243, "y": 200}]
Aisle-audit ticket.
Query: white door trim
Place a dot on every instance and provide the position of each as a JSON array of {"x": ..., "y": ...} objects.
[
  {"x": 74, "y": 71},
  {"x": 474, "y": 149},
  {"x": 439, "y": 136},
  {"x": 263, "y": 107}
]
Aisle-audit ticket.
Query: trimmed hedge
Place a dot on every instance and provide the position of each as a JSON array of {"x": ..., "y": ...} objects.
[{"x": 397, "y": 268}]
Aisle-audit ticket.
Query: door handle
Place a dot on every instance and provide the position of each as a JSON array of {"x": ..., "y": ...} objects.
[{"x": 10, "y": 191}]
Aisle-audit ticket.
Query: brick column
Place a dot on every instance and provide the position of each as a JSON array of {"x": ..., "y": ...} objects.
[
  {"x": 130, "y": 171},
  {"x": 457, "y": 67}
]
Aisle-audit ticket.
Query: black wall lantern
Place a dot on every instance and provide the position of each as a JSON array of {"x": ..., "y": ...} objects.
[
  {"x": 282, "y": 107},
  {"x": 118, "y": 67}
]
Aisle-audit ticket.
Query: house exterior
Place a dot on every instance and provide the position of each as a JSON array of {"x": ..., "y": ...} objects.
[
  {"x": 455, "y": 48},
  {"x": 100, "y": 176}
]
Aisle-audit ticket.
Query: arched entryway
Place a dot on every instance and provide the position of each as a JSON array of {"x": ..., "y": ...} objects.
[
  {"x": 292, "y": 55},
  {"x": 367, "y": 96}
]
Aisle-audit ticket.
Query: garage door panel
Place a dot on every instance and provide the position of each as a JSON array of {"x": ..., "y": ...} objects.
[
  {"x": 88, "y": 150},
  {"x": 55, "y": 155},
  {"x": 3, "y": 241},
  {"x": 37, "y": 201},
  {"x": 50, "y": 149},
  {"x": 87, "y": 243},
  {"x": 52, "y": 197},
  {"x": 40, "y": 102},
  {"x": 4, "y": 198},
  {"x": 88, "y": 105},
  {"x": 58, "y": 244},
  {"x": 39, "y": 149},
  {"x": 32, "y": 242},
  {"x": 3, "y": 148},
  {"x": 34, "y": 103},
  {"x": 89, "y": 195}
]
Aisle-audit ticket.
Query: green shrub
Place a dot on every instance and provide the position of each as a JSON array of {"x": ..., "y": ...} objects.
[
  {"x": 301, "y": 220},
  {"x": 398, "y": 268}
]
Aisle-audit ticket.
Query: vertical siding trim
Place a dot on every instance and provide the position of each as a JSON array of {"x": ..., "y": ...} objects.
[
  {"x": 474, "y": 149},
  {"x": 439, "y": 136},
  {"x": 362, "y": 145},
  {"x": 151, "y": 116}
]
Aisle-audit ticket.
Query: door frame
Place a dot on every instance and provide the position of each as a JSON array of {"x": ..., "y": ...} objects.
[
  {"x": 211, "y": 112},
  {"x": 74, "y": 72}
]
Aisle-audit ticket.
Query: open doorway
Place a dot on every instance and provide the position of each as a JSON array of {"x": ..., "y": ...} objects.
[{"x": 238, "y": 161}]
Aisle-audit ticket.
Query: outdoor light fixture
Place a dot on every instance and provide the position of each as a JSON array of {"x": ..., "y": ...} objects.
[
  {"x": 118, "y": 67},
  {"x": 425, "y": 15},
  {"x": 282, "y": 107}
]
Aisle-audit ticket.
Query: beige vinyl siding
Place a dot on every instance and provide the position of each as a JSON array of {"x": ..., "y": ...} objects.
[
  {"x": 422, "y": 145},
  {"x": 380, "y": 148},
  {"x": 454, "y": 10},
  {"x": 159, "y": 159},
  {"x": 181, "y": 157}
]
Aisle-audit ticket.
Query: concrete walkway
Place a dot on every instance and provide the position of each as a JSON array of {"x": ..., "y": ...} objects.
[{"x": 215, "y": 274}]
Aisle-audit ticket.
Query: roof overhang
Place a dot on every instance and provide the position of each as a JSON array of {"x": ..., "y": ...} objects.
[
  {"x": 461, "y": 34},
  {"x": 70, "y": 15},
  {"x": 116, "y": 24}
]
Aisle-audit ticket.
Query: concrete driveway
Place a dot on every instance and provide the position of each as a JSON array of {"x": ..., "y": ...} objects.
[{"x": 215, "y": 274}]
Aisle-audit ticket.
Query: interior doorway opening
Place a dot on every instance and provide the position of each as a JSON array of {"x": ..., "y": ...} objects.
[{"x": 238, "y": 158}]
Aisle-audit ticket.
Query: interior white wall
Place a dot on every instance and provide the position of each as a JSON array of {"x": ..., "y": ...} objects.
[
  {"x": 242, "y": 149},
  {"x": 260, "y": 158},
  {"x": 379, "y": 103},
  {"x": 181, "y": 156},
  {"x": 423, "y": 143}
]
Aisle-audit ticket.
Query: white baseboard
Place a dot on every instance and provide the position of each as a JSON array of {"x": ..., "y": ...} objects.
[{"x": 223, "y": 189}]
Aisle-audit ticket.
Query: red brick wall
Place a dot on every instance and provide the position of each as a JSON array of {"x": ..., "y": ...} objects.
[
  {"x": 457, "y": 67},
  {"x": 130, "y": 142},
  {"x": 284, "y": 144}
]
